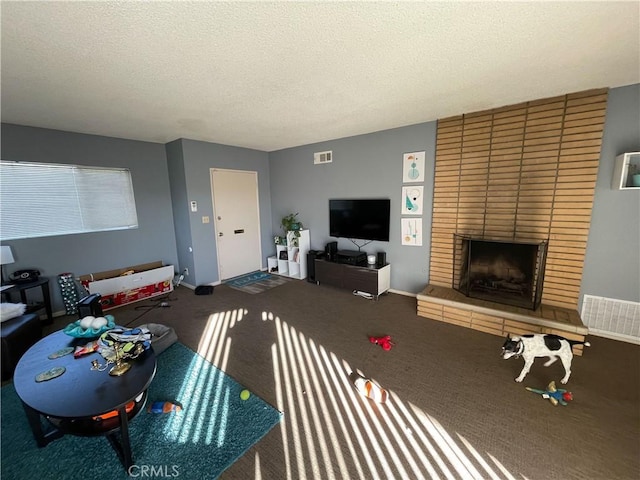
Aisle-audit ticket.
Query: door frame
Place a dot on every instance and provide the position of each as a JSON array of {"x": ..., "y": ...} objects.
[{"x": 215, "y": 221}]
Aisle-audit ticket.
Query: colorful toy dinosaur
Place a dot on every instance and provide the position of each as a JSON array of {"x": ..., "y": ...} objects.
[{"x": 555, "y": 395}]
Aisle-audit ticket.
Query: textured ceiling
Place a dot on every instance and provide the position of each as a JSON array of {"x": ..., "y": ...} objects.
[{"x": 271, "y": 75}]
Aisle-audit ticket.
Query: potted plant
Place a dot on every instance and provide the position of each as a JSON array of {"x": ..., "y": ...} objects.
[{"x": 290, "y": 223}]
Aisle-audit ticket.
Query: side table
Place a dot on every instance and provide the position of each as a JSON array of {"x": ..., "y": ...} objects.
[{"x": 22, "y": 288}]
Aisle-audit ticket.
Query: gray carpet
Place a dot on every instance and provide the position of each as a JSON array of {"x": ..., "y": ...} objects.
[{"x": 454, "y": 409}]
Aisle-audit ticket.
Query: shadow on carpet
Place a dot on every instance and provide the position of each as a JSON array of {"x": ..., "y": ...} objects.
[
  {"x": 256, "y": 282},
  {"x": 215, "y": 428}
]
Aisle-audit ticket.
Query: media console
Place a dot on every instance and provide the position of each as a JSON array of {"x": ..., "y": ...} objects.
[{"x": 373, "y": 279}]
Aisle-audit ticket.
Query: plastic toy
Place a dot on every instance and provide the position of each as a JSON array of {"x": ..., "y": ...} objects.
[
  {"x": 114, "y": 413},
  {"x": 555, "y": 395},
  {"x": 369, "y": 388},
  {"x": 163, "y": 407},
  {"x": 384, "y": 341},
  {"x": 86, "y": 349}
]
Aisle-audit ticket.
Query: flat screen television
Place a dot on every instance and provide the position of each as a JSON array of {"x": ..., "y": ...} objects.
[{"x": 363, "y": 219}]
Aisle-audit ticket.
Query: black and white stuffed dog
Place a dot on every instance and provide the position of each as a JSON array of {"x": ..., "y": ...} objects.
[{"x": 540, "y": 345}]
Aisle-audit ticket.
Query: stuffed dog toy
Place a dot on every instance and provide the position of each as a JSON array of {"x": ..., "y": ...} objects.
[{"x": 540, "y": 345}]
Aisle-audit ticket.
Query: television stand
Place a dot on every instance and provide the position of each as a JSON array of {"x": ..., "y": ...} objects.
[{"x": 374, "y": 280}]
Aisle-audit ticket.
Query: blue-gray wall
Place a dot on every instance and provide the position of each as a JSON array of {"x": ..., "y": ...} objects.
[
  {"x": 193, "y": 183},
  {"x": 363, "y": 166},
  {"x": 612, "y": 264},
  {"x": 181, "y": 219},
  {"x": 371, "y": 165},
  {"x": 80, "y": 254},
  {"x": 167, "y": 177}
]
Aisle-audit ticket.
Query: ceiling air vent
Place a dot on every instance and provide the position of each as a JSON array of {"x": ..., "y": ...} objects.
[{"x": 322, "y": 157}]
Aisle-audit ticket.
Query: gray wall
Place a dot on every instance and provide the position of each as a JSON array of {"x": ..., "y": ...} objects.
[
  {"x": 363, "y": 166},
  {"x": 179, "y": 200},
  {"x": 93, "y": 252},
  {"x": 194, "y": 183},
  {"x": 371, "y": 165},
  {"x": 612, "y": 264},
  {"x": 167, "y": 177}
]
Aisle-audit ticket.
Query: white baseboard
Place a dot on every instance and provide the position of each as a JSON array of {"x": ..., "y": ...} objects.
[
  {"x": 614, "y": 336},
  {"x": 402, "y": 292}
]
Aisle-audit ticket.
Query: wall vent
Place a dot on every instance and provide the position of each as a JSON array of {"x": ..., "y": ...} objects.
[
  {"x": 611, "y": 318},
  {"x": 322, "y": 157}
]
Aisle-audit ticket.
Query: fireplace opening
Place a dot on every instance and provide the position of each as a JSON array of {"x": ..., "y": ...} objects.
[{"x": 508, "y": 272}]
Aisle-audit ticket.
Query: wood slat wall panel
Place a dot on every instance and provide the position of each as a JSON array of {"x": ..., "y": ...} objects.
[{"x": 521, "y": 171}]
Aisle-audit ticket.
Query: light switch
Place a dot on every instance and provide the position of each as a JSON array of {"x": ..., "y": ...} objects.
[
  {"x": 194, "y": 206},
  {"x": 205, "y": 219}
]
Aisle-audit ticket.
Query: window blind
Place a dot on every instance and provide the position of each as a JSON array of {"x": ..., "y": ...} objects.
[{"x": 45, "y": 199}]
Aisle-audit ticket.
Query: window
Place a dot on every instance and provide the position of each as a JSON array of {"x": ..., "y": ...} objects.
[{"x": 44, "y": 199}]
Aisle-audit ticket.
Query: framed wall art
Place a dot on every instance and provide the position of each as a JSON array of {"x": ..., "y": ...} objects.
[
  {"x": 411, "y": 229},
  {"x": 413, "y": 167},
  {"x": 412, "y": 199}
]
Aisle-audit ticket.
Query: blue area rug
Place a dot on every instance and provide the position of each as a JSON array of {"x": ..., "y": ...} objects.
[
  {"x": 215, "y": 428},
  {"x": 248, "y": 279},
  {"x": 256, "y": 282}
]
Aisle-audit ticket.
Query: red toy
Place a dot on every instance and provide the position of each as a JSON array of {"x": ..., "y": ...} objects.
[{"x": 385, "y": 341}]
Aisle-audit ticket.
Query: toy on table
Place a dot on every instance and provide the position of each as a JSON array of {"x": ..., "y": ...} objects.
[
  {"x": 163, "y": 407},
  {"x": 129, "y": 340},
  {"x": 85, "y": 349},
  {"x": 384, "y": 341},
  {"x": 555, "y": 395}
]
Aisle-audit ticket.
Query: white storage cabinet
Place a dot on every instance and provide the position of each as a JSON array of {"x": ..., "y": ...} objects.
[{"x": 296, "y": 249}]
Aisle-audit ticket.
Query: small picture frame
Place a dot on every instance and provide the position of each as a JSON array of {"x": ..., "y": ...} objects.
[
  {"x": 413, "y": 167},
  {"x": 284, "y": 255},
  {"x": 412, "y": 200}
]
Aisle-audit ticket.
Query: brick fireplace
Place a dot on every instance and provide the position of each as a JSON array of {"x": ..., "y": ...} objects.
[
  {"x": 524, "y": 172},
  {"x": 511, "y": 273}
]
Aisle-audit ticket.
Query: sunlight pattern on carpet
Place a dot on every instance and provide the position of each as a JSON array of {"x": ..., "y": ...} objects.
[
  {"x": 363, "y": 440},
  {"x": 391, "y": 440}
]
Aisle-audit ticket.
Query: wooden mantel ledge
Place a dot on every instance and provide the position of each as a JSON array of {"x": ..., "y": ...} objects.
[{"x": 553, "y": 318}]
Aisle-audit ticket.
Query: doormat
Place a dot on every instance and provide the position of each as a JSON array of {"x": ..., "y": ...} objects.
[{"x": 256, "y": 282}]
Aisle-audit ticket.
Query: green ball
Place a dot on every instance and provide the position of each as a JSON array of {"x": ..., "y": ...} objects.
[{"x": 244, "y": 395}]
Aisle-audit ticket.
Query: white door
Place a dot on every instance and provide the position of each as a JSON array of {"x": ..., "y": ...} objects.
[{"x": 237, "y": 221}]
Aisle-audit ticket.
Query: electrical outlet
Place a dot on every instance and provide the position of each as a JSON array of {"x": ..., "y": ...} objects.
[{"x": 186, "y": 271}]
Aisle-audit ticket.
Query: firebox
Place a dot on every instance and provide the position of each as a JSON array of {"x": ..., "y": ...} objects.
[{"x": 508, "y": 272}]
